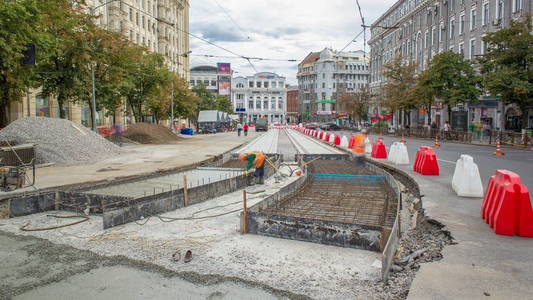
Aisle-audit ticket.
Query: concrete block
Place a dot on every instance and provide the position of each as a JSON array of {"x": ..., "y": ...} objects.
[
  {"x": 466, "y": 181},
  {"x": 344, "y": 142},
  {"x": 368, "y": 146},
  {"x": 398, "y": 154}
]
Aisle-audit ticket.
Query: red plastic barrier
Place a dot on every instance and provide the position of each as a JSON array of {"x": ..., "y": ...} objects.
[
  {"x": 327, "y": 137},
  {"x": 379, "y": 150},
  {"x": 337, "y": 140},
  {"x": 426, "y": 162},
  {"x": 351, "y": 142},
  {"x": 507, "y": 205},
  {"x": 320, "y": 135}
]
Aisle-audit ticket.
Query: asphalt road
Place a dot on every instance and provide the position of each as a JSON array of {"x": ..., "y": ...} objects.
[{"x": 516, "y": 160}]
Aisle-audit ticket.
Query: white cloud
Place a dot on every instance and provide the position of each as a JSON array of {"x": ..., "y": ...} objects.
[{"x": 277, "y": 29}]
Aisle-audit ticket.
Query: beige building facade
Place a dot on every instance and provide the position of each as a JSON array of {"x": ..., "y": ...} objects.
[{"x": 161, "y": 26}]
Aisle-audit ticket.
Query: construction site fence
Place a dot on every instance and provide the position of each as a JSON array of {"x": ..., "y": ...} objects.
[
  {"x": 490, "y": 137},
  {"x": 389, "y": 250}
]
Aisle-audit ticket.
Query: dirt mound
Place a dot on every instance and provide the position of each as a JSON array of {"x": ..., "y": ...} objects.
[
  {"x": 146, "y": 133},
  {"x": 58, "y": 140}
]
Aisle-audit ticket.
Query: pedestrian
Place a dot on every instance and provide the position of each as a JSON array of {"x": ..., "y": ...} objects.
[
  {"x": 239, "y": 129},
  {"x": 245, "y": 127},
  {"x": 359, "y": 148},
  {"x": 257, "y": 160},
  {"x": 447, "y": 129}
]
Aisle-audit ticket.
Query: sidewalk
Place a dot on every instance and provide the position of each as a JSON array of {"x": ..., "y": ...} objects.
[
  {"x": 481, "y": 264},
  {"x": 139, "y": 159}
]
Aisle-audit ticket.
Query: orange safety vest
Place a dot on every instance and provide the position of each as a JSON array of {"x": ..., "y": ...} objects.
[
  {"x": 359, "y": 143},
  {"x": 259, "y": 159}
]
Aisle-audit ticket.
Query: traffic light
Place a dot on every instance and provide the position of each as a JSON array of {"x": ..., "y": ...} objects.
[{"x": 29, "y": 55}]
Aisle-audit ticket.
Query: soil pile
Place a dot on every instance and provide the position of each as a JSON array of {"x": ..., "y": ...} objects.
[{"x": 146, "y": 133}]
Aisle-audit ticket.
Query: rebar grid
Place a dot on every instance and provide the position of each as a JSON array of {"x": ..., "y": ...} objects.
[{"x": 354, "y": 202}]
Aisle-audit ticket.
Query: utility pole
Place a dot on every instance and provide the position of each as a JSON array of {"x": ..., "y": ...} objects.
[
  {"x": 94, "y": 99},
  {"x": 172, "y": 108}
]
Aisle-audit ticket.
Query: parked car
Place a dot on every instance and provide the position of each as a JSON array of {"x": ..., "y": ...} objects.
[
  {"x": 329, "y": 126},
  {"x": 261, "y": 125},
  {"x": 311, "y": 126}
]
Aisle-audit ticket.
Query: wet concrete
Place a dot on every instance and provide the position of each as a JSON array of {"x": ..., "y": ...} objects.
[
  {"x": 33, "y": 268},
  {"x": 141, "y": 188}
]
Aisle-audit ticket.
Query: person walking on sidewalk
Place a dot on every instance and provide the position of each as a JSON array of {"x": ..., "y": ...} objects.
[
  {"x": 239, "y": 129},
  {"x": 257, "y": 160},
  {"x": 245, "y": 127},
  {"x": 447, "y": 129}
]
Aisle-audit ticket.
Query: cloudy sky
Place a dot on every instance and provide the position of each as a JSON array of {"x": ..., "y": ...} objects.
[{"x": 277, "y": 29}]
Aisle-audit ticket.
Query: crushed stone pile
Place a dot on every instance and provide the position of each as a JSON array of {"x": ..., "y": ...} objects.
[
  {"x": 146, "y": 133},
  {"x": 59, "y": 141}
]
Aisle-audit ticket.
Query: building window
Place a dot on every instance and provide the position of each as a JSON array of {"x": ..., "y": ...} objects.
[
  {"x": 323, "y": 96},
  {"x": 250, "y": 104},
  {"x": 452, "y": 27},
  {"x": 452, "y": 48},
  {"x": 213, "y": 83},
  {"x": 266, "y": 84},
  {"x": 280, "y": 104},
  {"x": 517, "y": 5},
  {"x": 206, "y": 82},
  {"x": 462, "y": 48},
  {"x": 258, "y": 104},
  {"x": 499, "y": 9},
  {"x": 473, "y": 19},
  {"x": 143, "y": 22},
  {"x": 265, "y": 104},
  {"x": 485, "y": 16},
  {"x": 258, "y": 84},
  {"x": 472, "y": 49},
  {"x": 462, "y": 24},
  {"x": 274, "y": 84},
  {"x": 137, "y": 18},
  {"x": 323, "y": 85},
  {"x": 250, "y": 84},
  {"x": 483, "y": 46},
  {"x": 131, "y": 14}
]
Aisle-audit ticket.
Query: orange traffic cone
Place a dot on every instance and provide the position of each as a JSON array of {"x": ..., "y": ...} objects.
[
  {"x": 499, "y": 151},
  {"x": 436, "y": 145}
]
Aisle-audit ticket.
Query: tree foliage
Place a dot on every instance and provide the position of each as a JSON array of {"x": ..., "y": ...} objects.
[
  {"x": 507, "y": 66},
  {"x": 356, "y": 104},
  {"x": 19, "y": 24},
  {"x": 400, "y": 80}
]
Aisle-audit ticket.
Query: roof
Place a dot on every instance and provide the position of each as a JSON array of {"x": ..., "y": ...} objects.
[
  {"x": 311, "y": 58},
  {"x": 208, "y": 116}
]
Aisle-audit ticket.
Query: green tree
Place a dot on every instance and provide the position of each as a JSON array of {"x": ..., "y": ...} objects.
[
  {"x": 144, "y": 79},
  {"x": 19, "y": 22},
  {"x": 355, "y": 104},
  {"x": 68, "y": 56},
  {"x": 424, "y": 92},
  {"x": 453, "y": 79},
  {"x": 224, "y": 104},
  {"x": 506, "y": 67},
  {"x": 399, "y": 87}
]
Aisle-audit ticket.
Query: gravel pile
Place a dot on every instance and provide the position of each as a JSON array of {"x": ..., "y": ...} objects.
[{"x": 59, "y": 141}]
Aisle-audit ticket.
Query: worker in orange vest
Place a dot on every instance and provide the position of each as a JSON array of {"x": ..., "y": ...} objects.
[
  {"x": 257, "y": 160},
  {"x": 359, "y": 147}
]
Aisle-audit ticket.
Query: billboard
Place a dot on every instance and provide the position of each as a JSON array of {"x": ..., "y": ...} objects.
[
  {"x": 224, "y": 85},
  {"x": 224, "y": 68}
]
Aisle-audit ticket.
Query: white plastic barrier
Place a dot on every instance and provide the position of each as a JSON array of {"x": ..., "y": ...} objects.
[
  {"x": 344, "y": 141},
  {"x": 331, "y": 138},
  {"x": 466, "y": 181},
  {"x": 398, "y": 154},
  {"x": 324, "y": 136},
  {"x": 368, "y": 146}
]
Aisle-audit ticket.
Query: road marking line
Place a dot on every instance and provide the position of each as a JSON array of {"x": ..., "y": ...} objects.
[{"x": 447, "y": 161}]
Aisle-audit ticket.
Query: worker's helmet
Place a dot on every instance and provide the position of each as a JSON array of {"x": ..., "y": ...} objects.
[{"x": 243, "y": 156}]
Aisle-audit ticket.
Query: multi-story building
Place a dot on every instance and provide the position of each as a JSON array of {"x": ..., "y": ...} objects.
[
  {"x": 292, "y": 104},
  {"x": 324, "y": 76},
  {"x": 416, "y": 30},
  {"x": 258, "y": 96},
  {"x": 216, "y": 79},
  {"x": 161, "y": 26}
]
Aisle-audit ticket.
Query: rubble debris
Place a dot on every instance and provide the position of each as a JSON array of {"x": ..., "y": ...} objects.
[
  {"x": 146, "y": 133},
  {"x": 188, "y": 256},
  {"x": 59, "y": 141},
  {"x": 176, "y": 256}
]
